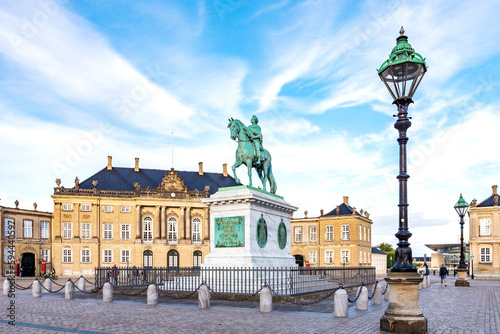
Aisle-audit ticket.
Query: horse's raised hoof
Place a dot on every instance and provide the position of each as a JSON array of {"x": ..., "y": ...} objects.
[{"x": 238, "y": 181}]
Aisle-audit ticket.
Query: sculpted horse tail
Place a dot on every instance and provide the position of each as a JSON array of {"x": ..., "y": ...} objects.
[{"x": 272, "y": 181}]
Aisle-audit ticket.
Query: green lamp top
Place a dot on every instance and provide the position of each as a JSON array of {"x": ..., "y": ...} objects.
[
  {"x": 461, "y": 203},
  {"x": 402, "y": 53}
]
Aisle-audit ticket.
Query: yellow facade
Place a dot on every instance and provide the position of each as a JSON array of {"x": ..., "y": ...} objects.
[
  {"x": 166, "y": 226},
  {"x": 342, "y": 237},
  {"x": 27, "y": 232},
  {"x": 484, "y": 236}
]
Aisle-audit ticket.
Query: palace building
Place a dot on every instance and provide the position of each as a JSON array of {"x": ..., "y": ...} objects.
[
  {"x": 133, "y": 217},
  {"x": 484, "y": 236},
  {"x": 25, "y": 240},
  {"x": 341, "y": 237}
]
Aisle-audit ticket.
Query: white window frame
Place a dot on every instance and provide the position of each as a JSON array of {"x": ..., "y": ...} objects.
[
  {"x": 28, "y": 228},
  {"x": 364, "y": 234},
  {"x": 364, "y": 257},
  {"x": 196, "y": 230},
  {"x": 107, "y": 231},
  {"x": 107, "y": 256},
  {"x": 360, "y": 257},
  {"x": 44, "y": 230},
  {"x": 313, "y": 233},
  {"x": 45, "y": 254},
  {"x": 85, "y": 255},
  {"x": 172, "y": 229},
  {"x": 125, "y": 256},
  {"x": 484, "y": 227},
  {"x": 107, "y": 208},
  {"x": 125, "y": 231},
  {"x": 369, "y": 236},
  {"x": 147, "y": 229},
  {"x": 298, "y": 233},
  {"x": 369, "y": 257},
  {"x": 345, "y": 256},
  {"x": 313, "y": 258},
  {"x": 329, "y": 233},
  {"x": 86, "y": 208},
  {"x": 360, "y": 232},
  {"x": 329, "y": 256},
  {"x": 125, "y": 209},
  {"x": 485, "y": 255},
  {"x": 67, "y": 255},
  {"x": 86, "y": 231},
  {"x": 345, "y": 232},
  {"x": 67, "y": 230},
  {"x": 67, "y": 207},
  {"x": 8, "y": 222}
]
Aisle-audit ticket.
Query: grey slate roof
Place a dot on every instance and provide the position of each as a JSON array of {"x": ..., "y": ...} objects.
[
  {"x": 378, "y": 251},
  {"x": 345, "y": 210},
  {"x": 123, "y": 179},
  {"x": 487, "y": 202}
]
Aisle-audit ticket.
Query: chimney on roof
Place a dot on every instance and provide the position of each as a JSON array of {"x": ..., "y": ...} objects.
[
  {"x": 136, "y": 168},
  {"x": 494, "y": 187},
  {"x": 200, "y": 168},
  {"x": 346, "y": 200},
  {"x": 109, "y": 163},
  {"x": 224, "y": 169}
]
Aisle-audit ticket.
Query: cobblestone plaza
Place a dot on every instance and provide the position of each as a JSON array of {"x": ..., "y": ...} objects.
[{"x": 450, "y": 309}]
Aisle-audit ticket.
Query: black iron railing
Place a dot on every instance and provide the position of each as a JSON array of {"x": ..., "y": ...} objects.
[{"x": 244, "y": 281}]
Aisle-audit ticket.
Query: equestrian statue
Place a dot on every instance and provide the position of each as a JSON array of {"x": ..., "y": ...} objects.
[{"x": 251, "y": 153}]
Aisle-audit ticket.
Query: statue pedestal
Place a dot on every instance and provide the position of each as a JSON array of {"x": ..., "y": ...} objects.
[
  {"x": 403, "y": 315},
  {"x": 249, "y": 228},
  {"x": 462, "y": 277}
]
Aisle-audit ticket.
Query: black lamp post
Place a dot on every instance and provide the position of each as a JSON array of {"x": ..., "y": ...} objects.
[
  {"x": 402, "y": 74},
  {"x": 461, "y": 207}
]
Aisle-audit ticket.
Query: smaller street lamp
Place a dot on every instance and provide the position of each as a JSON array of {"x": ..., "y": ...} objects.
[{"x": 462, "y": 207}]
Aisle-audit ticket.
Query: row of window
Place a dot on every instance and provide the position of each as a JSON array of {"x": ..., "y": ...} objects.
[
  {"x": 27, "y": 228},
  {"x": 345, "y": 257},
  {"x": 107, "y": 256},
  {"x": 364, "y": 233},
  {"x": 147, "y": 230},
  {"x": 88, "y": 208}
]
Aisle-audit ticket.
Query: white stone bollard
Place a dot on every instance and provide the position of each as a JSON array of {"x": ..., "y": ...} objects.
[
  {"x": 47, "y": 284},
  {"x": 386, "y": 295},
  {"x": 36, "y": 289},
  {"x": 266, "y": 300},
  {"x": 81, "y": 283},
  {"x": 377, "y": 296},
  {"x": 152, "y": 294},
  {"x": 69, "y": 290},
  {"x": 362, "y": 302},
  {"x": 340, "y": 304},
  {"x": 421, "y": 284},
  {"x": 6, "y": 287},
  {"x": 107, "y": 293},
  {"x": 427, "y": 281},
  {"x": 204, "y": 296}
]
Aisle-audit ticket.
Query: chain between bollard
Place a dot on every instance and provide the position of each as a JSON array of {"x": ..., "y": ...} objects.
[
  {"x": 86, "y": 280},
  {"x": 129, "y": 294},
  {"x": 55, "y": 282},
  {"x": 56, "y": 291},
  {"x": 237, "y": 299},
  {"x": 359, "y": 293},
  {"x": 385, "y": 290},
  {"x": 22, "y": 288},
  {"x": 374, "y": 289},
  {"x": 165, "y": 294},
  {"x": 85, "y": 292},
  {"x": 290, "y": 301}
]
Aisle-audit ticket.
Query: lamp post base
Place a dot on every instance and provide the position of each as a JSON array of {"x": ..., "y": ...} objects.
[
  {"x": 403, "y": 315},
  {"x": 462, "y": 277}
]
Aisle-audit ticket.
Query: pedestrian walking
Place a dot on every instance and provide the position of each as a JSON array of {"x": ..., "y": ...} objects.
[
  {"x": 443, "y": 272},
  {"x": 426, "y": 275}
]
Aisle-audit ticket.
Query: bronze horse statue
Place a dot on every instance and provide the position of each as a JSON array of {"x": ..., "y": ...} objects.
[{"x": 245, "y": 154}]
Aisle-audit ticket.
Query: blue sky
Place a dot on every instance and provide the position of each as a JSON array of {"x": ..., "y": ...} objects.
[{"x": 81, "y": 80}]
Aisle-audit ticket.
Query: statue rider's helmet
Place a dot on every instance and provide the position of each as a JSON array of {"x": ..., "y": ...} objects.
[{"x": 254, "y": 119}]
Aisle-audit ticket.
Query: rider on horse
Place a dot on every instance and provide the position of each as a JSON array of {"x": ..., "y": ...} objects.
[{"x": 255, "y": 136}]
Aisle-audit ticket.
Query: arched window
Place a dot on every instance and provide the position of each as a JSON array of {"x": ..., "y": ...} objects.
[
  {"x": 147, "y": 229},
  {"x": 196, "y": 238},
  {"x": 172, "y": 229},
  {"x": 172, "y": 258},
  {"x": 196, "y": 258},
  {"x": 147, "y": 258}
]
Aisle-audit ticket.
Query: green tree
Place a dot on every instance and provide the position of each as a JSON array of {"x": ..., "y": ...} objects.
[
  {"x": 385, "y": 247},
  {"x": 391, "y": 258}
]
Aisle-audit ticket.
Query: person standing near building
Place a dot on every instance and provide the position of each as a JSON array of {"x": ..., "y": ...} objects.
[{"x": 442, "y": 273}]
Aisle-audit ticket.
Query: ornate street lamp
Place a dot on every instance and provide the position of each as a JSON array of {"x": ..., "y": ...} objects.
[
  {"x": 461, "y": 207},
  {"x": 402, "y": 74}
]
